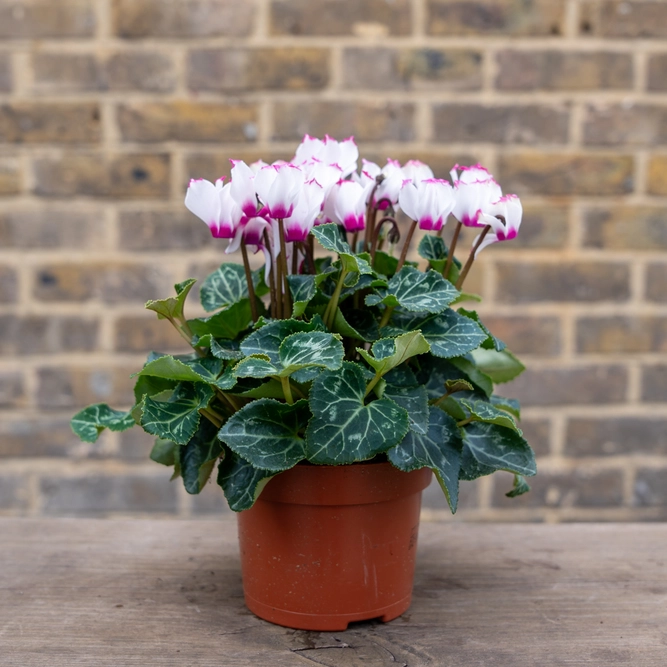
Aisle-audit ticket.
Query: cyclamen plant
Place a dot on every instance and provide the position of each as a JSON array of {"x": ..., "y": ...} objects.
[{"x": 333, "y": 358}]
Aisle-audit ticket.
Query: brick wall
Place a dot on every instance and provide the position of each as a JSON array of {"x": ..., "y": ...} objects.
[{"x": 108, "y": 107}]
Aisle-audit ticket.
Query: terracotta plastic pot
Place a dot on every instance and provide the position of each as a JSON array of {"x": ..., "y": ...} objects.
[{"x": 327, "y": 545}]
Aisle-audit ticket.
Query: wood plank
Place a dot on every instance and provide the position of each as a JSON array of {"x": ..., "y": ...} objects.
[{"x": 165, "y": 592}]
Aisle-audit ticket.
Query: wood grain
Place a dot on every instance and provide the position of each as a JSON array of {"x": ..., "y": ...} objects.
[{"x": 166, "y": 592}]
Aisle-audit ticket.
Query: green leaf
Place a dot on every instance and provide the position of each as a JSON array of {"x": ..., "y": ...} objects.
[
  {"x": 491, "y": 343},
  {"x": 448, "y": 333},
  {"x": 435, "y": 373},
  {"x": 433, "y": 249},
  {"x": 164, "y": 452},
  {"x": 241, "y": 481},
  {"x": 255, "y": 366},
  {"x": 510, "y": 405},
  {"x": 220, "y": 348},
  {"x": 499, "y": 366},
  {"x": 471, "y": 468},
  {"x": 228, "y": 323},
  {"x": 414, "y": 400},
  {"x": 520, "y": 487},
  {"x": 479, "y": 380},
  {"x": 466, "y": 296},
  {"x": 185, "y": 369},
  {"x": 357, "y": 324},
  {"x": 176, "y": 419},
  {"x": 91, "y": 421},
  {"x": 197, "y": 458},
  {"x": 297, "y": 351},
  {"x": 302, "y": 289},
  {"x": 343, "y": 429},
  {"x": 455, "y": 386},
  {"x": 172, "y": 308},
  {"x": 500, "y": 448},
  {"x": 438, "y": 448},
  {"x": 227, "y": 286},
  {"x": 487, "y": 413},
  {"x": 267, "y": 339},
  {"x": 329, "y": 237},
  {"x": 310, "y": 348},
  {"x": 384, "y": 263},
  {"x": 416, "y": 291},
  {"x": 266, "y": 433},
  {"x": 251, "y": 388},
  {"x": 148, "y": 385},
  {"x": 390, "y": 352}
]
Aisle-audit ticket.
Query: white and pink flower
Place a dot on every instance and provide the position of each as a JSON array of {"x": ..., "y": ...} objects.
[
  {"x": 427, "y": 202},
  {"x": 504, "y": 218},
  {"x": 279, "y": 186},
  {"x": 214, "y": 205},
  {"x": 476, "y": 190}
]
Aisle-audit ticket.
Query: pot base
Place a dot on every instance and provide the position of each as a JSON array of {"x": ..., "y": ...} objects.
[
  {"x": 325, "y": 546},
  {"x": 324, "y": 623}
]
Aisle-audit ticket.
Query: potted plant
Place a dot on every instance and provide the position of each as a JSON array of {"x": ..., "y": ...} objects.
[{"x": 330, "y": 383}]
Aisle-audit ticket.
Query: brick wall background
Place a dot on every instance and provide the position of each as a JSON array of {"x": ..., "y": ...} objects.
[{"x": 108, "y": 107}]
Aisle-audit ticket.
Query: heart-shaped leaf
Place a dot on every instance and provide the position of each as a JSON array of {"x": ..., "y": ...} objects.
[
  {"x": 448, "y": 333},
  {"x": 434, "y": 249},
  {"x": 357, "y": 324},
  {"x": 499, "y": 366},
  {"x": 416, "y": 291},
  {"x": 91, "y": 421},
  {"x": 491, "y": 343},
  {"x": 414, "y": 400},
  {"x": 197, "y": 458},
  {"x": 343, "y": 429},
  {"x": 485, "y": 412},
  {"x": 438, "y": 448},
  {"x": 302, "y": 289},
  {"x": 172, "y": 308},
  {"x": 510, "y": 405},
  {"x": 390, "y": 352},
  {"x": 520, "y": 487},
  {"x": 267, "y": 433},
  {"x": 499, "y": 448},
  {"x": 329, "y": 236},
  {"x": 228, "y": 323},
  {"x": 255, "y": 366},
  {"x": 241, "y": 481},
  {"x": 177, "y": 418},
  {"x": 268, "y": 339},
  {"x": 164, "y": 452},
  {"x": 227, "y": 286},
  {"x": 311, "y": 348},
  {"x": 220, "y": 348}
]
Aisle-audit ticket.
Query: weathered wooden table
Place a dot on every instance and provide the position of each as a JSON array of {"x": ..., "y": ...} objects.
[{"x": 106, "y": 592}]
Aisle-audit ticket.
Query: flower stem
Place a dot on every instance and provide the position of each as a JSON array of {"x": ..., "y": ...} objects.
[
  {"x": 330, "y": 312},
  {"x": 212, "y": 416},
  {"x": 372, "y": 384},
  {"x": 248, "y": 278},
  {"x": 272, "y": 275},
  {"x": 471, "y": 257},
  {"x": 378, "y": 230},
  {"x": 406, "y": 245},
  {"x": 287, "y": 308},
  {"x": 386, "y": 316},
  {"x": 452, "y": 247},
  {"x": 355, "y": 239},
  {"x": 287, "y": 390},
  {"x": 371, "y": 210}
]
